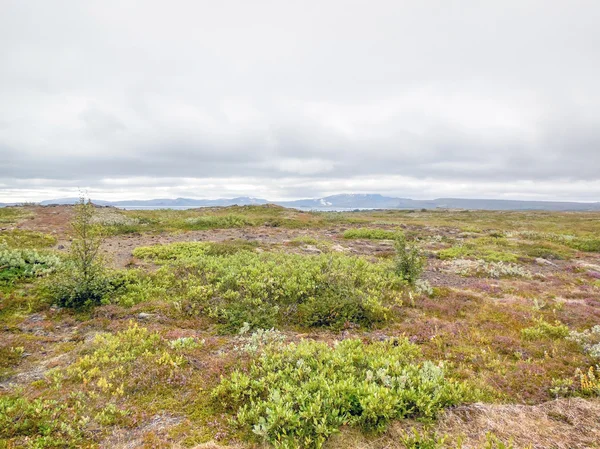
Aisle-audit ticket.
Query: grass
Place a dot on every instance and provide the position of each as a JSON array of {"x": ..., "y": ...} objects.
[{"x": 336, "y": 349}]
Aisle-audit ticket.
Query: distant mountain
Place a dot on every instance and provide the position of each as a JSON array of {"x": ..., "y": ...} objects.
[
  {"x": 165, "y": 202},
  {"x": 351, "y": 201},
  {"x": 359, "y": 201}
]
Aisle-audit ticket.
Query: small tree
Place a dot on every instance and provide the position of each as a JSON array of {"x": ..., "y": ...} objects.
[
  {"x": 408, "y": 263},
  {"x": 83, "y": 281}
]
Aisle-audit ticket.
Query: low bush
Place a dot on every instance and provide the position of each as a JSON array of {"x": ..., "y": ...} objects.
[
  {"x": 464, "y": 251},
  {"x": 371, "y": 233},
  {"x": 588, "y": 339},
  {"x": 216, "y": 222},
  {"x": 543, "y": 329},
  {"x": 13, "y": 214},
  {"x": 129, "y": 361},
  {"x": 16, "y": 264},
  {"x": 589, "y": 381},
  {"x": 297, "y": 395},
  {"x": 192, "y": 250},
  {"x": 18, "y": 238},
  {"x": 42, "y": 423},
  {"x": 497, "y": 270},
  {"x": 585, "y": 244},
  {"x": 266, "y": 289}
]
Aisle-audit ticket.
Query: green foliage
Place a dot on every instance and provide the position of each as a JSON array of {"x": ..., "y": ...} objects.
[
  {"x": 265, "y": 289},
  {"x": 18, "y": 238},
  {"x": 130, "y": 361},
  {"x": 215, "y": 222},
  {"x": 371, "y": 233},
  {"x": 408, "y": 261},
  {"x": 589, "y": 340},
  {"x": 543, "y": 329},
  {"x": 83, "y": 281},
  {"x": 16, "y": 264},
  {"x": 192, "y": 250},
  {"x": 466, "y": 251},
  {"x": 546, "y": 250},
  {"x": 422, "y": 440},
  {"x": 589, "y": 381},
  {"x": 9, "y": 215},
  {"x": 42, "y": 423},
  {"x": 298, "y": 395},
  {"x": 585, "y": 244}
]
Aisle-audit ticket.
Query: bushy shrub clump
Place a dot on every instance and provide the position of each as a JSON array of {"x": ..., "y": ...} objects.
[
  {"x": 297, "y": 395},
  {"x": 543, "y": 329},
  {"x": 466, "y": 267},
  {"x": 408, "y": 261},
  {"x": 192, "y": 250},
  {"x": 589, "y": 340},
  {"x": 589, "y": 381},
  {"x": 41, "y": 423},
  {"x": 83, "y": 280},
  {"x": 18, "y": 264},
  {"x": 134, "y": 359},
  {"x": 216, "y": 222},
  {"x": 371, "y": 233},
  {"x": 266, "y": 289},
  {"x": 585, "y": 244},
  {"x": 465, "y": 251},
  {"x": 18, "y": 238}
]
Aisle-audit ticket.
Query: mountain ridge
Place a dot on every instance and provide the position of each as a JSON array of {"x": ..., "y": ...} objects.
[{"x": 352, "y": 201}]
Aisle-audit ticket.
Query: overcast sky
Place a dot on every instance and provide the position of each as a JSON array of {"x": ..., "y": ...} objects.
[{"x": 291, "y": 99}]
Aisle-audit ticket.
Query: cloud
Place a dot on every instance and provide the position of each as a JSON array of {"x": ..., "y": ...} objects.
[{"x": 421, "y": 99}]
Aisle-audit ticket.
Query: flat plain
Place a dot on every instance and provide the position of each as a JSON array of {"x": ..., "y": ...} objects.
[{"x": 261, "y": 326}]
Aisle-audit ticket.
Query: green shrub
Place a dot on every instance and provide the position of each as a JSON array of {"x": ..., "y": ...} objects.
[
  {"x": 216, "y": 222},
  {"x": 266, "y": 289},
  {"x": 192, "y": 250},
  {"x": 543, "y": 329},
  {"x": 408, "y": 261},
  {"x": 21, "y": 239},
  {"x": 16, "y": 264},
  {"x": 467, "y": 251},
  {"x": 585, "y": 244},
  {"x": 41, "y": 423},
  {"x": 547, "y": 250},
  {"x": 129, "y": 361},
  {"x": 13, "y": 214},
  {"x": 370, "y": 233},
  {"x": 83, "y": 281},
  {"x": 298, "y": 395}
]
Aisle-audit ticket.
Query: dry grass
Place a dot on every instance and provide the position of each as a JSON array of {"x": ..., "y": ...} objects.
[{"x": 560, "y": 424}]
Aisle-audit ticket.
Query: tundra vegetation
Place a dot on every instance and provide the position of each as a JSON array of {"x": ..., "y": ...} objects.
[{"x": 260, "y": 326}]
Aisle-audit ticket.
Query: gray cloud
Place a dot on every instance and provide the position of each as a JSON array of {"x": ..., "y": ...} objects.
[{"x": 294, "y": 99}]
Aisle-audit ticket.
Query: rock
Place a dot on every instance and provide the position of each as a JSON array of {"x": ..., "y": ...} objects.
[
  {"x": 60, "y": 247},
  {"x": 36, "y": 317},
  {"x": 542, "y": 261},
  {"x": 311, "y": 249},
  {"x": 145, "y": 316},
  {"x": 339, "y": 248}
]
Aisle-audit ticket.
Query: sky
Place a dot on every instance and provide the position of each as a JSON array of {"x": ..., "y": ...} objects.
[{"x": 299, "y": 99}]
